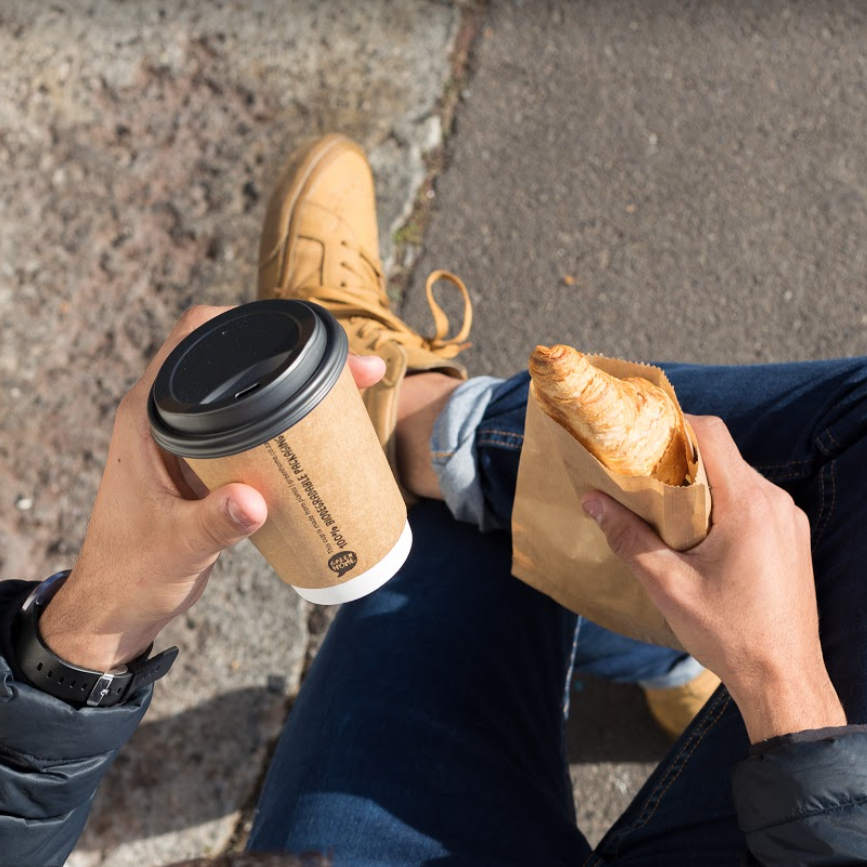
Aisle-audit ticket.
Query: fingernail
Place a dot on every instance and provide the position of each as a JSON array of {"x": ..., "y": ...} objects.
[
  {"x": 239, "y": 516},
  {"x": 593, "y": 507}
]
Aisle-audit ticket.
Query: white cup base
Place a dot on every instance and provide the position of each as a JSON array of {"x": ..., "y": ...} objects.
[{"x": 367, "y": 581}]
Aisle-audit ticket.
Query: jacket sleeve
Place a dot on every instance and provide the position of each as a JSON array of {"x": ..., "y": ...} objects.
[
  {"x": 52, "y": 756},
  {"x": 802, "y": 799}
]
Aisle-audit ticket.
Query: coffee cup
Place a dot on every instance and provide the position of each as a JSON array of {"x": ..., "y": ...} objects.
[{"x": 262, "y": 394}]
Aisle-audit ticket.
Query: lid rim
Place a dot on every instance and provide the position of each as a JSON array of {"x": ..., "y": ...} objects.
[{"x": 252, "y": 433}]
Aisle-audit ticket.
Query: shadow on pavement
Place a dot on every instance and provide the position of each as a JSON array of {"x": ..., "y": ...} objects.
[
  {"x": 174, "y": 773},
  {"x": 610, "y": 722}
]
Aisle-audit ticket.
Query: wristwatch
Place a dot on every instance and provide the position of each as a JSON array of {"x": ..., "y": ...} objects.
[{"x": 80, "y": 687}]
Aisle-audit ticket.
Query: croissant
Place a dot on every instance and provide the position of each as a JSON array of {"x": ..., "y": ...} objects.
[{"x": 630, "y": 425}]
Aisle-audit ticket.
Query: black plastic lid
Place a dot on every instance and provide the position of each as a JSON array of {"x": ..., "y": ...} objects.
[{"x": 245, "y": 376}]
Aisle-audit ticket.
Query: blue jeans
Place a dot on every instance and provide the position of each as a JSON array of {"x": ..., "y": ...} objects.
[{"x": 430, "y": 729}]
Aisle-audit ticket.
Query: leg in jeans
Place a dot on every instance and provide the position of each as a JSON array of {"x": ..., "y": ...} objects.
[
  {"x": 802, "y": 424},
  {"x": 430, "y": 728},
  {"x": 431, "y": 725}
]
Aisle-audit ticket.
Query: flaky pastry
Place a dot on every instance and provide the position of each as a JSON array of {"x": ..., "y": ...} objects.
[{"x": 630, "y": 425}]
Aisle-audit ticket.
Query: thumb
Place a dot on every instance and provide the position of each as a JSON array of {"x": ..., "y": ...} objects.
[
  {"x": 221, "y": 519},
  {"x": 633, "y": 541},
  {"x": 366, "y": 370}
]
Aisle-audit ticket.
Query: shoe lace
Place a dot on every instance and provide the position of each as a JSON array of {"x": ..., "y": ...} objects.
[
  {"x": 367, "y": 268},
  {"x": 389, "y": 327}
]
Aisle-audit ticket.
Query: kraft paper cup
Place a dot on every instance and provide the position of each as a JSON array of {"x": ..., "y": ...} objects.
[{"x": 262, "y": 395}]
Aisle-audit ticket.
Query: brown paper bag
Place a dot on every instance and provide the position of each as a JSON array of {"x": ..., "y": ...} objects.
[{"x": 558, "y": 549}]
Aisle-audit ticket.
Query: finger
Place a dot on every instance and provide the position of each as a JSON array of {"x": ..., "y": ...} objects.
[
  {"x": 366, "y": 370},
  {"x": 634, "y": 542},
  {"x": 222, "y": 519},
  {"x": 726, "y": 469}
]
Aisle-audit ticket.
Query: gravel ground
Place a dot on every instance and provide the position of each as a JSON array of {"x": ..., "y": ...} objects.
[{"x": 137, "y": 146}]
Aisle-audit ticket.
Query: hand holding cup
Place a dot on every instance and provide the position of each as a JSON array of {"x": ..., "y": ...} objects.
[{"x": 154, "y": 533}]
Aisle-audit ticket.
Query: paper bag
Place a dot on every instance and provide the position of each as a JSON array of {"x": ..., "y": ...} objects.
[{"x": 558, "y": 549}]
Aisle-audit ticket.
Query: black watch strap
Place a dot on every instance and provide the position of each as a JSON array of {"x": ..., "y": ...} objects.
[
  {"x": 147, "y": 670},
  {"x": 77, "y": 686}
]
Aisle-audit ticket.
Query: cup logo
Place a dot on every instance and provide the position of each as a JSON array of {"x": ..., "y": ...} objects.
[{"x": 341, "y": 563}]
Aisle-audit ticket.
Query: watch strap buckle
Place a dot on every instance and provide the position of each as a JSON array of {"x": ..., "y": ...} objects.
[{"x": 100, "y": 690}]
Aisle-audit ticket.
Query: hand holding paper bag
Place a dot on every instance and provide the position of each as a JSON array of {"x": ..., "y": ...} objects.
[
  {"x": 743, "y": 602},
  {"x": 557, "y": 547}
]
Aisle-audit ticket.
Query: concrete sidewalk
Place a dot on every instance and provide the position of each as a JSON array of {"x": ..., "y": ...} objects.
[{"x": 665, "y": 181}]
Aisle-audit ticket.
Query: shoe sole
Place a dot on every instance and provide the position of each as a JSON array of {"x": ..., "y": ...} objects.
[{"x": 293, "y": 179}]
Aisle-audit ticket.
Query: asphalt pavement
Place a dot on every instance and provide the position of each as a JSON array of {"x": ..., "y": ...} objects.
[{"x": 656, "y": 181}]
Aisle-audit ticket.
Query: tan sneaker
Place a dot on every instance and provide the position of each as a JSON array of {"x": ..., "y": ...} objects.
[
  {"x": 320, "y": 243},
  {"x": 675, "y": 707}
]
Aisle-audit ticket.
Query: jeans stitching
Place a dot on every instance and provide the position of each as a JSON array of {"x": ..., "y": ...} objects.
[
  {"x": 781, "y": 468},
  {"x": 823, "y": 518},
  {"x": 442, "y": 454},
  {"x": 784, "y": 470},
  {"x": 784, "y": 463},
  {"x": 504, "y": 433},
  {"x": 499, "y": 445},
  {"x": 785, "y": 477},
  {"x": 656, "y": 799},
  {"x": 824, "y": 448},
  {"x": 827, "y": 518},
  {"x": 832, "y": 438},
  {"x": 815, "y": 534}
]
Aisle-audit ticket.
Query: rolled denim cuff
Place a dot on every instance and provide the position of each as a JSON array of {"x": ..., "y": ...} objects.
[
  {"x": 682, "y": 672},
  {"x": 454, "y": 455}
]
